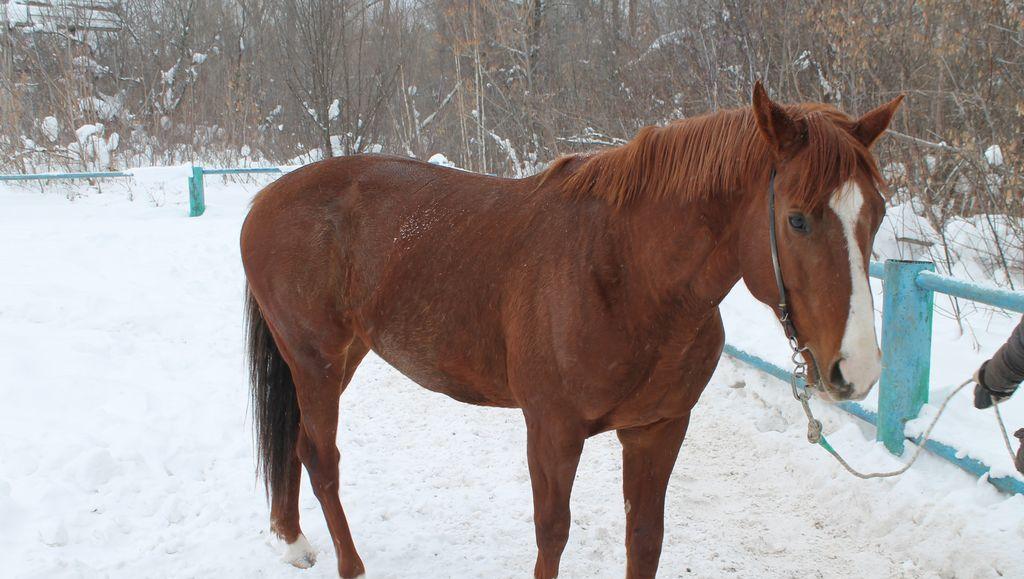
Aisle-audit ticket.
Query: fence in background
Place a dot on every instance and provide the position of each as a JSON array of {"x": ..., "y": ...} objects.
[
  {"x": 55, "y": 176},
  {"x": 196, "y": 189},
  {"x": 909, "y": 289}
]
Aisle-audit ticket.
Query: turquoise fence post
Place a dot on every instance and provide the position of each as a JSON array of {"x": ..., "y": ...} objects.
[
  {"x": 906, "y": 350},
  {"x": 196, "y": 193}
]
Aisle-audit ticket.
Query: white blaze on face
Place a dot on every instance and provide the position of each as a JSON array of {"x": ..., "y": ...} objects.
[{"x": 861, "y": 360}]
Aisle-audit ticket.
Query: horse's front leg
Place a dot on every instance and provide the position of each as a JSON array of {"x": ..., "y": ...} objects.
[
  {"x": 553, "y": 452},
  {"x": 648, "y": 455}
]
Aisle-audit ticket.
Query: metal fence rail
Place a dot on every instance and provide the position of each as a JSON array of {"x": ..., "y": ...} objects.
[
  {"x": 55, "y": 176},
  {"x": 909, "y": 288},
  {"x": 196, "y": 189}
]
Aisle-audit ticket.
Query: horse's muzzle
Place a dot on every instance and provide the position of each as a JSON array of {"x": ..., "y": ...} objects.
[{"x": 840, "y": 388}]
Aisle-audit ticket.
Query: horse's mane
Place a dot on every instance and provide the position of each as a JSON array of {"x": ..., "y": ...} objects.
[{"x": 713, "y": 154}]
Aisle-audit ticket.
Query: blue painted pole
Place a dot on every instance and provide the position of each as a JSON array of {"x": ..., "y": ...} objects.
[
  {"x": 196, "y": 193},
  {"x": 906, "y": 350}
]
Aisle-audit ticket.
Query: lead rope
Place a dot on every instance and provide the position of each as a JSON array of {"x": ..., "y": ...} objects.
[
  {"x": 814, "y": 434},
  {"x": 920, "y": 442},
  {"x": 1006, "y": 435}
]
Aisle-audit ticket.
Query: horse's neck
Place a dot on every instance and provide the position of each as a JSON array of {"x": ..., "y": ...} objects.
[{"x": 687, "y": 251}]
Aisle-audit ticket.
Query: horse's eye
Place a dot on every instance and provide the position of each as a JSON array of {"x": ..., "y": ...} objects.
[{"x": 798, "y": 222}]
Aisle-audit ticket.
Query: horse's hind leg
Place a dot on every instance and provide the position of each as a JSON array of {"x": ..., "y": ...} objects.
[
  {"x": 284, "y": 508},
  {"x": 319, "y": 382},
  {"x": 284, "y": 519},
  {"x": 648, "y": 455}
]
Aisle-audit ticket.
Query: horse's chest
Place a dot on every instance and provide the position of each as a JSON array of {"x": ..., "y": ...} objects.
[{"x": 670, "y": 381}]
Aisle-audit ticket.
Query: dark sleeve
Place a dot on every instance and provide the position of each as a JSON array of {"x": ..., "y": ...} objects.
[{"x": 1005, "y": 371}]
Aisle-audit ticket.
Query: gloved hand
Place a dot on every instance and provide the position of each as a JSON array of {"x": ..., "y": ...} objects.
[
  {"x": 983, "y": 397},
  {"x": 1020, "y": 450}
]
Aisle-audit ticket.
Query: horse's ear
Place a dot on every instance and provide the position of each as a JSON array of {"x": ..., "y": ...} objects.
[
  {"x": 871, "y": 126},
  {"x": 785, "y": 134}
]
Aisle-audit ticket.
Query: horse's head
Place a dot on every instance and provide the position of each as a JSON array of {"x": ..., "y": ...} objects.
[{"x": 827, "y": 210}]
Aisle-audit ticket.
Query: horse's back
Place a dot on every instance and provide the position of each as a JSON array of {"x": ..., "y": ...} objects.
[{"x": 354, "y": 211}]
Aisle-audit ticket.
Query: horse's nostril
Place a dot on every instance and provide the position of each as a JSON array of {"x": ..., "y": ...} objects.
[{"x": 836, "y": 375}]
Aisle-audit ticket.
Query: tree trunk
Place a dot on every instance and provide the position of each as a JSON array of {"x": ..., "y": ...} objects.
[
  {"x": 616, "y": 9},
  {"x": 533, "y": 51},
  {"x": 632, "y": 19}
]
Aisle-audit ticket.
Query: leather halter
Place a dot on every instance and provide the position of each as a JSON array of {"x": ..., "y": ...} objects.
[
  {"x": 783, "y": 307},
  {"x": 800, "y": 392},
  {"x": 782, "y": 310}
]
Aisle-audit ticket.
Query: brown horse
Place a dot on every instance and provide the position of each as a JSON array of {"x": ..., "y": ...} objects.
[{"x": 587, "y": 296}]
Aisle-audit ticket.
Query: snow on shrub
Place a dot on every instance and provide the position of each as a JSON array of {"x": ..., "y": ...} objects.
[{"x": 440, "y": 159}]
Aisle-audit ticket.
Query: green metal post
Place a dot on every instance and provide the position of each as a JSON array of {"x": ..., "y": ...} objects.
[
  {"x": 196, "y": 194},
  {"x": 906, "y": 350}
]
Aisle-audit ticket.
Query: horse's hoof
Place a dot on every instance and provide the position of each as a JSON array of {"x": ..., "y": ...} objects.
[{"x": 300, "y": 553}]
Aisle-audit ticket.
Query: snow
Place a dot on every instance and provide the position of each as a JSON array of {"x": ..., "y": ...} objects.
[
  {"x": 85, "y": 131},
  {"x": 125, "y": 448},
  {"x": 338, "y": 143},
  {"x": 91, "y": 150},
  {"x": 15, "y": 12},
  {"x": 994, "y": 155},
  {"x": 440, "y": 159},
  {"x": 673, "y": 38},
  {"x": 803, "y": 61},
  {"x": 169, "y": 74},
  {"x": 87, "y": 63},
  {"x": 106, "y": 109},
  {"x": 51, "y": 128},
  {"x": 972, "y": 243}
]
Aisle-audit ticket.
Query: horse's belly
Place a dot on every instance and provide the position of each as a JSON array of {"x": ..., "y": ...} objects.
[{"x": 464, "y": 377}]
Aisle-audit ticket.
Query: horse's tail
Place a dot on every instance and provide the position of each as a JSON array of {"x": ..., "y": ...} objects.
[{"x": 275, "y": 407}]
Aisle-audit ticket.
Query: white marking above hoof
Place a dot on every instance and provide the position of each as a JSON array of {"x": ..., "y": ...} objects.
[{"x": 300, "y": 553}]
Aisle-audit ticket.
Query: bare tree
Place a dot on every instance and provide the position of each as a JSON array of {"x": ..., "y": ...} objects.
[{"x": 503, "y": 86}]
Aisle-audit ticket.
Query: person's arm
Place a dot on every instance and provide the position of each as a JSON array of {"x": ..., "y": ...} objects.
[{"x": 999, "y": 377}]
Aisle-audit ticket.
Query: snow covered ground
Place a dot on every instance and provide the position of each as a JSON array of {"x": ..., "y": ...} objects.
[{"x": 125, "y": 448}]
